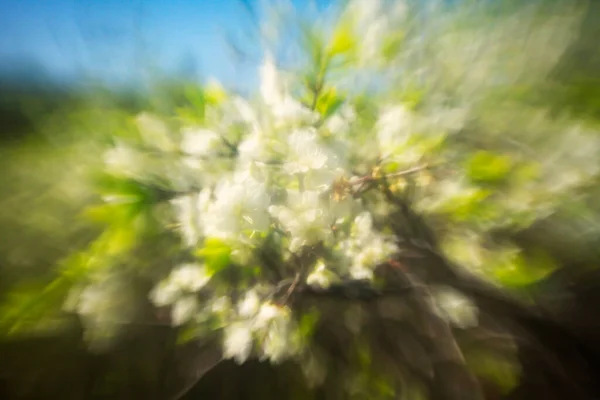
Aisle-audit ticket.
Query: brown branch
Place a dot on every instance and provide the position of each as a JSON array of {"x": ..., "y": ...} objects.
[
  {"x": 291, "y": 288},
  {"x": 409, "y": 171}
]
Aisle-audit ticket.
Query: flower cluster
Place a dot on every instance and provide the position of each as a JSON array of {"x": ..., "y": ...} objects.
[
  {"x": 282, "y": 179},
  {"x": 280, "y": 192}
]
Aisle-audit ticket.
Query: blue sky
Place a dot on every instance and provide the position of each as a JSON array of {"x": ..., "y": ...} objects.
[{"x": 116, "y": 39}]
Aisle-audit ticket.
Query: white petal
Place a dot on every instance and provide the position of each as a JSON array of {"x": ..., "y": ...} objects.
[
  {"x": 164, "y": 293},
  {"x": 199, "y": 141},
  {"x": 250, "y": 305},
  {"x": 184, "y": 309},
  {"x": 237, "y": 341}
]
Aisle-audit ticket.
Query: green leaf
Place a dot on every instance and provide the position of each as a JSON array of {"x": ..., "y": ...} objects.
[
  {"x": 525, "y": 269},
  {"x": 196, "y": 96},
  {"x": 308, "y": 322},
  {"x": 342, "y": 41},
  {"x": 486, "y": 167},
  {"x": 328, "y": 102},
  {"x": 465, "y": 206},
  {"x": 214, "y": 93},
  {"x": 33, "y": 307},
  {"x": 115, "y": 241},
  {"x": 189, "y": 333},
  {"x": 216, "y": 254}
]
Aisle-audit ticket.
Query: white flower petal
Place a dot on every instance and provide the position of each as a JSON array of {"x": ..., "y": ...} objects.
[
  {"x": 199, "y": 141},
  {"x": 184, "y": 309},
  {"x": 250, "y": 305},
  {"x": 237, "y": 342}
]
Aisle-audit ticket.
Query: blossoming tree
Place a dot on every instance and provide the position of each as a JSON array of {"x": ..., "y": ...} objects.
[{"x": 356, "y": 201}]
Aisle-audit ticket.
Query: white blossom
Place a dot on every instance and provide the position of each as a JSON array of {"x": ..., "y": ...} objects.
[
  {"x": 291, "y": 112},
  {"x": 366, "y": 248},
  {"x": 249, "y": 306},
  {"x": 283, "y": 107},
  {"x": 276, "y": 344},
  {"x": 190, "y": 277},
  {"x": 394, "y": 127},
  {"x": 305, "y": 153},
  {"x": 184, "y": 309},
  {"x": 304, "y": 217},
  {"x": 373, "y": 253},
  {"x": 321, "y": 277},
  {"x": 361, "y": 272},
  {"x": 165, "y": 293},
  {"x": 254, "y": 147},
  {"x": 237, "y": 343},
  {"x": 199, "y": 141},
  {"x": 220, "y": 306},
  {"x": 188, "y": 217},
  {"x": 362, "y": 229},
  {"x": 267, "y": 313},
  {"x": 457, "y": 308},
  {"x": 279, "y": 339},
  {"x": 240, "y": 203}
]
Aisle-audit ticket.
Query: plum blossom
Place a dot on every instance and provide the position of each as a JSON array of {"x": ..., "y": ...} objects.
[
  {"x": 394, "y": 127},
  {"x": 250, "y": 305},
  {"x": 240, "y": 204},
  {"x": 455, "y": 307},
  {"x": 190, "y": 277},
  {"x": 266, "y": 314},
  {"x": 254, "y": 148},
  {"x": 304, "y": 217},
  {"x": 284, "y": 108},
  {"x": 317, "y": 164},
  {"x": 275, "y": 325},
  {"x": 237, "y": 341},
  {"x": 305, "y": 152},
  {"x": 321, "y": 276},
  {"x": 366, "y": 248},
  {"x": 184, "y": 310},
  {"x": 199, "y": 141},
  {"x": 185, "y": 279},
  {"x": 165, "y": 293},
  {"x": 291, "y": 112},
  {"x": 188, "y": 209}
]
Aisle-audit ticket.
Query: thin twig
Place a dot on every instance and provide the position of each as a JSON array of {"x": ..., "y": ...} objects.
[
  {"x": 409, "y": 171},
  {"x": 291, "y": 288}
]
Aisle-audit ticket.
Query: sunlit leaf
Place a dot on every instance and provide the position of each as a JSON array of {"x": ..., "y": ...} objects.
[
  {"x": 216, "y": 254},
  {"x": 525, "y": 269},
  {"x": 486, "y": 167},
  {"x": 343, "y": 40}
]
